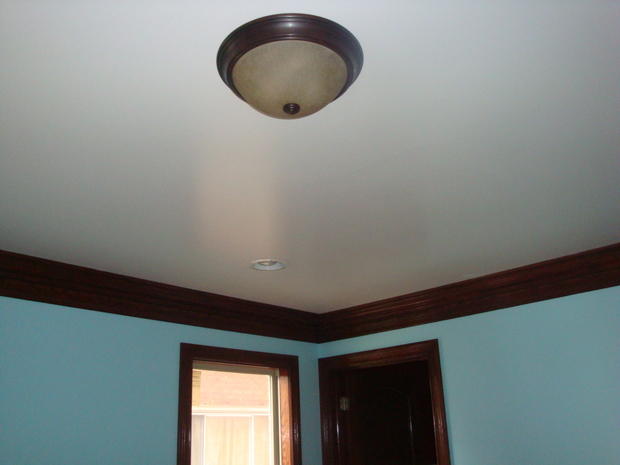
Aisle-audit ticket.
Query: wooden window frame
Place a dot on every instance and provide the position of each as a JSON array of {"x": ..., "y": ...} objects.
[{"x": 288, "y": 380}]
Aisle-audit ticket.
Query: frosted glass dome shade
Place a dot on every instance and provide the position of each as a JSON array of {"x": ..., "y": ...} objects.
[{"x": 289, "y": 78}]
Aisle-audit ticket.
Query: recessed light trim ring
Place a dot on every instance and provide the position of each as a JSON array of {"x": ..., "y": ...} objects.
[
  {"x": 290, "y": 26},
  {"x": 267, "y": 264}
]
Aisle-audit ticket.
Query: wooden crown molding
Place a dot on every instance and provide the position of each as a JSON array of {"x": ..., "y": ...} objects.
[
  {"x": 32, "y": 278},
  {"x": 581, "y": 272}
]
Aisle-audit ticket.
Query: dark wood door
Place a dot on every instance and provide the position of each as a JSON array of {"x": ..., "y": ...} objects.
[{"x": 385, "y": 415}]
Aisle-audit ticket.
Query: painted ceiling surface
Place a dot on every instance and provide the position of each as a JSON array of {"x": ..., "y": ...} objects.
[{"x": 480, "y": 136}]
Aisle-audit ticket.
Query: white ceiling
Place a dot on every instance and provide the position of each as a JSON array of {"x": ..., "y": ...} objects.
[{"x": 480, "y": 136}]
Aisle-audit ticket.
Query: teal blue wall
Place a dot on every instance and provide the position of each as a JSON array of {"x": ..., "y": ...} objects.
[
  {"x": 532, "y": 385},
  {"x": 88, "y": 388},
  {"x": 537, "y": 384}
]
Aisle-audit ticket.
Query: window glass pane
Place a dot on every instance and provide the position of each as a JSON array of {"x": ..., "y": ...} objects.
[
  {"x": 227, "y": 441},
  {"x": 262, "y": 440},
  {"x": 225, "y": 389},
  {"x": 233, "y": 416},
  {"x": 197, "y": 439}
]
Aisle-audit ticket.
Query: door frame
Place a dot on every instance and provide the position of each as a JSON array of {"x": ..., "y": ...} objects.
[{"x": 419, "y": 351}]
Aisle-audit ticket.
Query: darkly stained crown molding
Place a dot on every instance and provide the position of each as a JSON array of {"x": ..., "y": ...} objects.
[
  {"x": 32, "y": 278},
  {"x": 581, "y": 272}
]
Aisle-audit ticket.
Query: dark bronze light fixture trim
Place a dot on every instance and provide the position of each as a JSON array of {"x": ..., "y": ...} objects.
[{"x": 290, "y": 26}]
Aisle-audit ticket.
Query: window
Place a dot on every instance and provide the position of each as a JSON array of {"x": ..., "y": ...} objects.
[
  {"x": 233, "y": 419},
  {"x": 237, "y": 407}
]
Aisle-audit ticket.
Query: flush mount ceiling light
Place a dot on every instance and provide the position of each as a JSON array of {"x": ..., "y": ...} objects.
[
  {"x": 289, "y": 65},
  {"x": 267, "y": 264}
]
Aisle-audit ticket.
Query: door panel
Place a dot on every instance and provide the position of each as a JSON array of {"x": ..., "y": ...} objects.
[
  {"x": 384, "y": 407},
  {"x": 388, "y": 420}
]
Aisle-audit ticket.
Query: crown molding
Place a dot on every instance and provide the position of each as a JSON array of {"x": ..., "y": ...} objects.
[
  {"x": 586, "y": 271},
  {"x": 32, "y": 278}
]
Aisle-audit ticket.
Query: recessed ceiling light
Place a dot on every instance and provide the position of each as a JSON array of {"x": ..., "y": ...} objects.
[{"x": 267, "y": 264}]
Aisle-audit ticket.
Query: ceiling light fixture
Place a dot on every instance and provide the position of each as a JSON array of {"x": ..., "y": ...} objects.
[
  {"x": 289, "y": 65},
  {"x": 267, "y": 264}
]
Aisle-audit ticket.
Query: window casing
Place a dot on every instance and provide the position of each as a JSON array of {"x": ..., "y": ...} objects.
[{"x": 280, "y": 416}]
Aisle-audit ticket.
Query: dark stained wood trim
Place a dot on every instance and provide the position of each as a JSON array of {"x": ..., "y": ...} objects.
[
  {"x": 289, "y": 369},
  {"x": 581, "y": 272},
  {"x": 328, "y": 368},
  {"x": 184, "y": 429},
  {"x": 32, "y": 278}
]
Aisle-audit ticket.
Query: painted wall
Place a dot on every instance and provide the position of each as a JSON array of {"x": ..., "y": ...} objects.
[
  {"x": 532, "y": 385},
  {"x": 538, "y": 384},
  {"x": 80, "y": 387}
]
